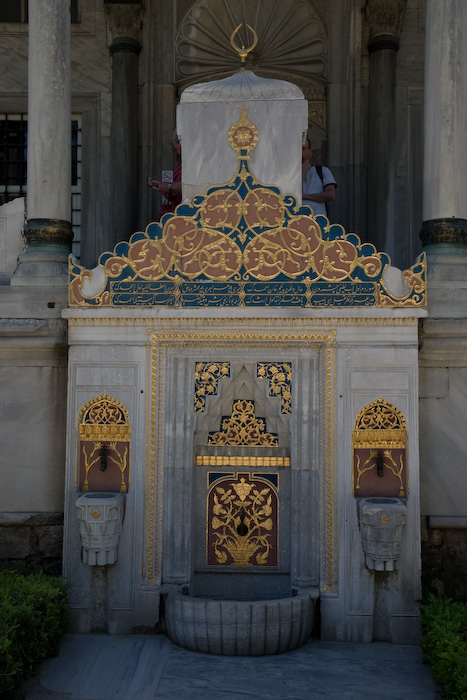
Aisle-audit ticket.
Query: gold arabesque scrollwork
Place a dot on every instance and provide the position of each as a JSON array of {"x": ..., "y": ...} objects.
[{"x": 242, "y": 427}]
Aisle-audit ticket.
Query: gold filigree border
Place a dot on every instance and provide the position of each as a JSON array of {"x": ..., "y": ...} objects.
[{"x": 159, "y": 343}]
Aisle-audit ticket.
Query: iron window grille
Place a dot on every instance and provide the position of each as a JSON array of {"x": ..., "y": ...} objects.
[{"x": 13, "y": 165}]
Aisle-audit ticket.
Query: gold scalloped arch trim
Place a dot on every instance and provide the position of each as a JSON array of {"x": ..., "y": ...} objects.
[{"x": 243, "y": 243}]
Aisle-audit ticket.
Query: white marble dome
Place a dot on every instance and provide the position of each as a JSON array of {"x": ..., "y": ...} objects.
[{"x": 243, "y": 85}]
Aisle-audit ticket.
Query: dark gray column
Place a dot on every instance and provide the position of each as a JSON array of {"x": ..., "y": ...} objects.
[
  {"x": 444, "y": 230},
  {"x": 124, "y": 139},
  {"x": 48, "y": 231},
  {"x": 384, "y": 19}
]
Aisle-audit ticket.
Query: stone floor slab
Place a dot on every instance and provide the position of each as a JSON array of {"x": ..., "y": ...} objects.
[{"x": 102, "y": 667}]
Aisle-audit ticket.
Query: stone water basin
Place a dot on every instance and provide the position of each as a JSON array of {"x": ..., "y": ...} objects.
[{"x": 239, "y": 627}]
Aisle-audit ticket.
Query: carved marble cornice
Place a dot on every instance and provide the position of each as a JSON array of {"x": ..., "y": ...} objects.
[
  {"x": 15, "y": 327},
  {"x": 384, "y": 17}
]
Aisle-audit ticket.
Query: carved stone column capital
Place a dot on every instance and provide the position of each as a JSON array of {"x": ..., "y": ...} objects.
[
  {"x": 384, "y": 18},
  {"x": 123, "y": 19}
]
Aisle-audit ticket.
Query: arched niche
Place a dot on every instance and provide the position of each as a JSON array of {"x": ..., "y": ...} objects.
[
  {"x": 103, "y": 458},
  {"x": 379, "y": 446}
]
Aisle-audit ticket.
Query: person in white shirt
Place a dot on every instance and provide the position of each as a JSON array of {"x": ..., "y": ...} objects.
[{"x": 317, "y": 191}]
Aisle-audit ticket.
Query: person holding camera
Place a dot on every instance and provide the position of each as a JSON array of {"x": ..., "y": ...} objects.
[{"x": 171, "y": 191}]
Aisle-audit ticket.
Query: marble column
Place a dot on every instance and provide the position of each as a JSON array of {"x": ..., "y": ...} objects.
[
  {"x": 124, "y": 139},
  {"x": 384, "y": 19},
  {"x": 48, "y": 230},
  {"x": 444, "y": 229}
]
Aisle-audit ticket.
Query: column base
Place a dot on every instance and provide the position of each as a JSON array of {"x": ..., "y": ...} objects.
[
  {"x": 446, "y": 236},
  {"x": 445, "y": 243},
  {"x": 44, "y": 263}
]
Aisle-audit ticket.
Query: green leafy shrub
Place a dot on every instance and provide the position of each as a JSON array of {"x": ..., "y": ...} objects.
[
  {"x": 34, "y": 616},
  {"x": 444, "y": 644}
]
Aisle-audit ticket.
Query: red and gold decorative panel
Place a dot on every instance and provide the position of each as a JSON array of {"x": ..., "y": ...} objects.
[
  {"x": 380, "y": 451},
  {"x": 243, "y": 521},
  {"x": 104, "y": 446}
]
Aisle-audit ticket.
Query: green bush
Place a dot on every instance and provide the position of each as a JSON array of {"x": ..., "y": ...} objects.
[
  {"x": 34, "y": 616},
  {"x": 444, "y": 644}
]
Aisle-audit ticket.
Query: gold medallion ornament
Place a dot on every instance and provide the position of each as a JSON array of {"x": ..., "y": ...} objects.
[{"x": 243, "y": 135}]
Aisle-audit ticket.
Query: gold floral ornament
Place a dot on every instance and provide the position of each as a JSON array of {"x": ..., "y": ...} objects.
[
  {"x": 279, "y": 375},
  {"x": 207, "y": 375},
  {"x": 243, "y": 136},
  {"x": 242, "y": 427},
  {"x": 242, "y": 523}
]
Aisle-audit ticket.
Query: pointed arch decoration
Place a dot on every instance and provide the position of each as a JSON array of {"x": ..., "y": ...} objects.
[
  {"x": 243, "y": 428},
  {"x": 103, "y": 455},
  {"x": 379, "y": 442}
]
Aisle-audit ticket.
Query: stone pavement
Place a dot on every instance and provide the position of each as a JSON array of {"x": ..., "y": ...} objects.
[{"x": 104, "y": 667}]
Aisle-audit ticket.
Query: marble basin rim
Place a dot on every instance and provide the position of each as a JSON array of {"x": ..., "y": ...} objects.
[
  {"x": 98, "y": 494},
  {"x": 240, "y": 627},
  {"x": 382, "y": 500}
]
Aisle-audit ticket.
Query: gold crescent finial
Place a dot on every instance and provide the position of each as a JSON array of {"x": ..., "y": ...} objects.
[{"x": 243, "y": 52}]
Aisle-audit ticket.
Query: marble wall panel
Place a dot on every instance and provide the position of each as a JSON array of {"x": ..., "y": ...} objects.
[
  {"x": 208, "y": 159},
  {"x": 442, "y": 442},
  {"x": 32, "y": 428},
  {"x": 113, "y": 373},
  {"x": 11, "y": 237},
  {"x": 359, "y": 612},
  {"x": 372, "y": 359}
]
